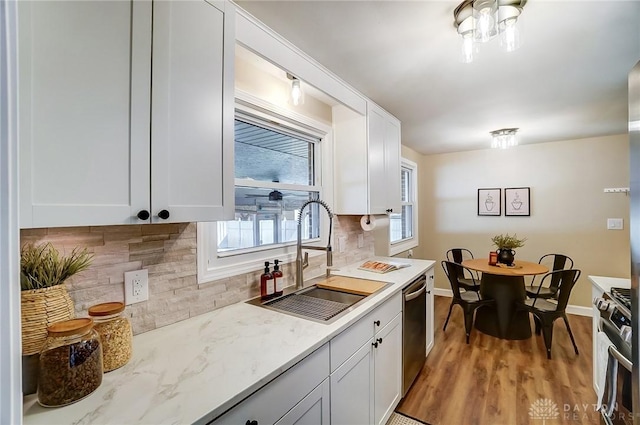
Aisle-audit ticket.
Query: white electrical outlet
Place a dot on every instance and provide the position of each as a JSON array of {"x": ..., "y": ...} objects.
[
  {"x": 136, "y": 286},
  {"x": 615, "y": 224}
]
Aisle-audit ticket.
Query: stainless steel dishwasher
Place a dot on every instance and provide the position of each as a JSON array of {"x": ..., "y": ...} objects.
[{"x": 414, "y": 330}]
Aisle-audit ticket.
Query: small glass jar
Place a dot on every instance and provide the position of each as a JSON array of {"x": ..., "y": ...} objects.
[
  {"x": 70, "y": 366},
  {"x": 115, "y": 334}
]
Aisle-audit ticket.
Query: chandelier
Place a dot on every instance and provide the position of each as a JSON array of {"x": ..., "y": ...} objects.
[
  {"x": 504, "y": 138},
  {"x": 479, "y": 21}
]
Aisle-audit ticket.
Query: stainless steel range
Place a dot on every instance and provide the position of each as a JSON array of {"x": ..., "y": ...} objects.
[{"x": 615, "y": 322}]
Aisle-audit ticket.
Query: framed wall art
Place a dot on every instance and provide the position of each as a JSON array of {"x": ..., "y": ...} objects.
[
  {"x": 517, "y": 201},
  {"x": 489, "y": 201}
]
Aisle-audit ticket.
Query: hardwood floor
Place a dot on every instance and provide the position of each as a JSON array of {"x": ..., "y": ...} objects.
[{"x": 499, "y": 382}]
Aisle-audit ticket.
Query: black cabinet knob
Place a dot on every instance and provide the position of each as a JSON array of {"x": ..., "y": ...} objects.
[
  {"x": 164, "y": 214},
  {"x": 380, "y": 340},
  {"x": 375, "y": 344},
  {"x": 389, "y": 210},
  {"x": 377, "y": 323},
  {"x": 143, "y": 215},
  {"x": 251, "y": 422}
]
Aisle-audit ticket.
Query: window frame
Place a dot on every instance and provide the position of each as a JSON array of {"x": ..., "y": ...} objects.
[
  {"x": 408, "y": 243},
  {"x": 212, "y": 265}
]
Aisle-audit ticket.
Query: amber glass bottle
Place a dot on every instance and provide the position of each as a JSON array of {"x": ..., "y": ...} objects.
[
  {"x": 266, "y": 283},
  {"x": 277, "y": 279}
]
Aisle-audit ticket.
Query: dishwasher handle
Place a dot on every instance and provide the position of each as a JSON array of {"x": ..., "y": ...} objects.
[{"x": 416, "y": 294}]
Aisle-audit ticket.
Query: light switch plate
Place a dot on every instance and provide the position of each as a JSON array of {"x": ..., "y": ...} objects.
[
  {"x": 615, "y": 224},
  {"x": 136, "y": 286}
]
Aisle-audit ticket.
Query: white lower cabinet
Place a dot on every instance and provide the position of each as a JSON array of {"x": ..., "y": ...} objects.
[
  {"x": 387, "y": 363},
  {"x": 430, "y": 310},
  {"x": 312, "y": 410},
  {"x": 298, "y": 396},
  {"x": 367, "y": 386},
  {"x": 596, "y": 292},
  {"x": 352, "y": 389},
  {"x": 355, "y": 379}
]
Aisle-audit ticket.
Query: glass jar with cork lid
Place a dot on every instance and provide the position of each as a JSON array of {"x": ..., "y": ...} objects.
[
  {"x": 70, "y": 366},
  {"x": 115, "y": 333}
]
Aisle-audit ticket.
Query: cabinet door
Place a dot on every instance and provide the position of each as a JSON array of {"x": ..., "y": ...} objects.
[
  {"x": 596, "y": 292},
  {"x": 272, "y": 402},
  {"x": 388, "y": 370},
  {"x": 312, "y": 410},
  {"x": 352, "y": 389},
  {"x": 384, "y": 161},
  {"x": 191, "y": 123},
  {"x": 392, "y": 143},
  {"x": 430, "y": 310},
  {"x": 84, "y": 127},
  {"x": 376, "y": 151}
]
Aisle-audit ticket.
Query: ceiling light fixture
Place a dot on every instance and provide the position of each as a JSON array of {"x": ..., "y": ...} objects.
[
  {"x": 504, "y": 138},
  {"x": 479, "y": 21},
  {"x": 297, "y": 95}
]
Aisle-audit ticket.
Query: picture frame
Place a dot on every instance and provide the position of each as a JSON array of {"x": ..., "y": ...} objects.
[
  {"x": 517, "y": 201},
  {"x": 490, "y": 202}
]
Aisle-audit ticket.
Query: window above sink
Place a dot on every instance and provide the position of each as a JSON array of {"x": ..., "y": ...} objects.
[{"x": 279, "y": 166}]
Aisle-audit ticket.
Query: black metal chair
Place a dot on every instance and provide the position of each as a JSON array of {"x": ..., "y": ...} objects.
[
  {"x": 468, "y": 300},
  {"x": 556, "y": 262},
  {"x": 546, "y": 311},
  {"x": 458, "y": 255}
]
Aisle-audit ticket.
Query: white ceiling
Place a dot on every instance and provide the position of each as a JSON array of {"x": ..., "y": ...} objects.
[{"x": 567, "y": 81}]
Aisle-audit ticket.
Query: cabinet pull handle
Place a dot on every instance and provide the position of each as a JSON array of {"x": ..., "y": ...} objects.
[
  {"x": 380, "y": 340},
  {"x": 249, "y": 422},
  {"x": 375, "y": 344},
  {"x": 389, "y": 210},
  {"x": 143, "y": 215},
  {"x": 428, "y": 292},
  {"x": 164, "y": 214},
  {"x": 377, "y": 323}
]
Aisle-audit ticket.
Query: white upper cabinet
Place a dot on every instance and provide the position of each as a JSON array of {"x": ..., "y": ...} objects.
[
  {"x": 111, "y": 128},
  {"x": 367, "y": 161}
]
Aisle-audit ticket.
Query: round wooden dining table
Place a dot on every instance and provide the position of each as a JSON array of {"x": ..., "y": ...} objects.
[{"x": 505, "y": 285}]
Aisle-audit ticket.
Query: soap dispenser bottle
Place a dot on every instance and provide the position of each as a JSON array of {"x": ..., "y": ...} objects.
[
  {"x": 266, "y": 283},
  {"x": 277, "y": 279}
]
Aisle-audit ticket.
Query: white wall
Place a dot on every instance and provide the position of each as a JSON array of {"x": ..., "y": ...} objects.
[
  {"x": 255, "y": 76},
  {"x": 569, "y": 208}
]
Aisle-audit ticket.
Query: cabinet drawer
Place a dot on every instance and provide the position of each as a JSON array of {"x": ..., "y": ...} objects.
[
  {"x": 274, "y": 400},
  {"x": 352, "y": 338},
  {"x": 387, "y": 311}
]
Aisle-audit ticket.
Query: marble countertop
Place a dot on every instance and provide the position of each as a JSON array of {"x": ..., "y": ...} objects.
[
  {"x": 606, "y": 283},
  {"x": 197, "y": 369}
]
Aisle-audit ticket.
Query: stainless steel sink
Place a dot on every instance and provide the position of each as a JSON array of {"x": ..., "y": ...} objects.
[
  {"x": 313, "y": 303},
  {"x": 331, "y": 295}
]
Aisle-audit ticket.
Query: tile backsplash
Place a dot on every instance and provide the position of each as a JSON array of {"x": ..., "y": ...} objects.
[{"x": 168, "y": 252}]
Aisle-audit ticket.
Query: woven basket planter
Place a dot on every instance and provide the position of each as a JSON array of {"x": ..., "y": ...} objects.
[{"x": 41, "y": 308}]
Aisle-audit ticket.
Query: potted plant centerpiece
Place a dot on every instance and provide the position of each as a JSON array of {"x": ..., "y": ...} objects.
[
  {"x": 44, "y": 298},
  {"x": 506, "y": 244}
]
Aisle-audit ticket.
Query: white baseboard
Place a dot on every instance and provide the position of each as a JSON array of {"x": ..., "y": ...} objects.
[
  {"x": 578, "y": 310},
  {"x": 443, "y": 292}
]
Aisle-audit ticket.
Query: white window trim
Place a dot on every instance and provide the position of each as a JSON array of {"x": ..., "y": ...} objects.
[
  {"x": 396, "y": 248},
  {"x": 212, "y": 266}
]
